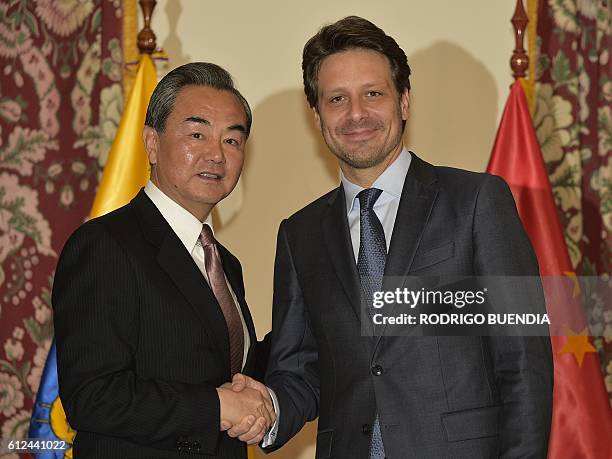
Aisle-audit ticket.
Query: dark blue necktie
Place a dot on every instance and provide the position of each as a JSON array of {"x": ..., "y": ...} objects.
[{"x": 371, "y": 266}]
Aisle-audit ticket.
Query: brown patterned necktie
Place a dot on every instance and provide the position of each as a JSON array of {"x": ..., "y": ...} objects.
[{"x": 216, "y": 279}]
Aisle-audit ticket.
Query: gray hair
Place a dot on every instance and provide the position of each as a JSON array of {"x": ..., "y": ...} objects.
[{"x": 194, "y": 73}]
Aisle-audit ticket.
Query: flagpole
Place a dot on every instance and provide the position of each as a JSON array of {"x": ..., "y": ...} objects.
[
  {"x": 519, "y": 62},
  {"x": 147, "y": 41}
]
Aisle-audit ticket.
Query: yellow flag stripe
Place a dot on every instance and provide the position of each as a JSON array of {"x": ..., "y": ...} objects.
[{"x": 127, "y": 167}]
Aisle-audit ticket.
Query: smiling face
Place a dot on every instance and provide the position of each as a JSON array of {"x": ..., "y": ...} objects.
[
  {"x": 360, "y": 113},
  {"x": 198, "y": 157}
]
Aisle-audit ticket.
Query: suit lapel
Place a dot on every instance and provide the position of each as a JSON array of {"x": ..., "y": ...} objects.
[
  {"x": 182, "y": 270},
  {"x": 416, "y": 203},
  {"x": 417, "y": 200},
  {"x": 338, "y": 241}
]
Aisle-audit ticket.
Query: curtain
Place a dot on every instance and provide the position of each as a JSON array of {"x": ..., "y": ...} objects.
[
  {"x": 61, "y": 66},
  {"x": 573, "y": 120}
]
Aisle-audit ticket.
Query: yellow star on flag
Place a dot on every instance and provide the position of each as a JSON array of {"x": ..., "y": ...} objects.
[{"x": 578, "y": 344}]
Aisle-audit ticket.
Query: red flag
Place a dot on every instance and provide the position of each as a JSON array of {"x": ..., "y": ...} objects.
[{"x": 582, "y": 418}]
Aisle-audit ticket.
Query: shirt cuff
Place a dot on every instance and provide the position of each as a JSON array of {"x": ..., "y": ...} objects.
[{"x": 270, "y": 437}]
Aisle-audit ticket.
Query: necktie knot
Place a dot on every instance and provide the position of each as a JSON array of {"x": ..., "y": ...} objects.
[
  {"x": 206, "y": 236},
  {"x": 368, "y": 197}
]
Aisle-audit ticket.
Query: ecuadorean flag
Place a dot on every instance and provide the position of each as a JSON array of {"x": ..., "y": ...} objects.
[
  {"x": 126, "y": 171},
  {"x": 48, "y": 418}
]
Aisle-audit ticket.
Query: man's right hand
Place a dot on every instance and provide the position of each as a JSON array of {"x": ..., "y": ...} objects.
[
  {"x": 247, "y": 412},
  {"x": 249, "y": 429}
]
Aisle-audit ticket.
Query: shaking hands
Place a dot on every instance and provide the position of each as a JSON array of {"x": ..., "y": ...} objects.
[{"x": 247, "y": 411}]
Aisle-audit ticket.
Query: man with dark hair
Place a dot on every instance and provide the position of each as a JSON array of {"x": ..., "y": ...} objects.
[
  {"x": 149, "y": 310},
  {"x": 395, "y": 215}
]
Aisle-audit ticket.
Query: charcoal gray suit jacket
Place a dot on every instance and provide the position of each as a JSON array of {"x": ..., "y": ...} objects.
[
  {"x": 436, "y": 396},
  {"x": 141, "y": 341}
]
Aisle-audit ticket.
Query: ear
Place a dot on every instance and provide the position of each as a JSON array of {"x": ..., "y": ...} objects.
[
  {"x": 317, "y": 119},
  {"x": 151, "y": 143},
  {"x": 405, "y": 104}
]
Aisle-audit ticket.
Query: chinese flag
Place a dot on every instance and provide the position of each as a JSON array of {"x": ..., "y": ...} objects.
[{"x": 582, "y": 418}]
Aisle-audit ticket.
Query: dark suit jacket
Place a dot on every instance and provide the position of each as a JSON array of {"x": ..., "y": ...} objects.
[
  {"x": 436, "y": 396},
  {"x": 141, "y": 341}
]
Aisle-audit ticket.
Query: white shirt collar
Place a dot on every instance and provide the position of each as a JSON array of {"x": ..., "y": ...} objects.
[
  {"x": 186, "y": 226},
  {"x": 391, "y": 181}
]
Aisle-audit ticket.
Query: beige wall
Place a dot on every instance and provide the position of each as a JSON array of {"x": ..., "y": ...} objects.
[{"x": 458, "y": 52}]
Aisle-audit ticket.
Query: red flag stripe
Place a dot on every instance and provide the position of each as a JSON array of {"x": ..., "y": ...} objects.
[{"x": 582, "y": 418}]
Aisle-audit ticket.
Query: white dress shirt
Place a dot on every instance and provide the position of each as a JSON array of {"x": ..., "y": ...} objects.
[
  {"x": 188, "y": 228},
  {"x": 391, "y": 182}
]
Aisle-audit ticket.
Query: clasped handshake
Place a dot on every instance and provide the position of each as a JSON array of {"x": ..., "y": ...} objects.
[{"x": 247, "y": 411}]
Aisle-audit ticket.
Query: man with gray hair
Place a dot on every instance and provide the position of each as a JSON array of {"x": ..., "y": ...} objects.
[{"x": 150, "y": 316}]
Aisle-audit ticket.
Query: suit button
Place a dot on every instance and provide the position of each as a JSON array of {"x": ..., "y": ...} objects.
[
  {"x": 366, "y": 429},
  {"x": 377, "y": 370}
]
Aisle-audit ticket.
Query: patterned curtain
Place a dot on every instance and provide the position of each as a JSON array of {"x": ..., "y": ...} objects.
[
  {"x": 60, "y": 103},
  {"x": 573, "y": 119}
]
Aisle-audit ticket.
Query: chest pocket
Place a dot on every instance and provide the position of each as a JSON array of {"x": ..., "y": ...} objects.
[{"x": 433, "y": 256}]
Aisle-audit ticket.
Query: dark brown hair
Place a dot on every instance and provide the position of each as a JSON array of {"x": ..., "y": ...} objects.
[{"x": 350, "y": 33}]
